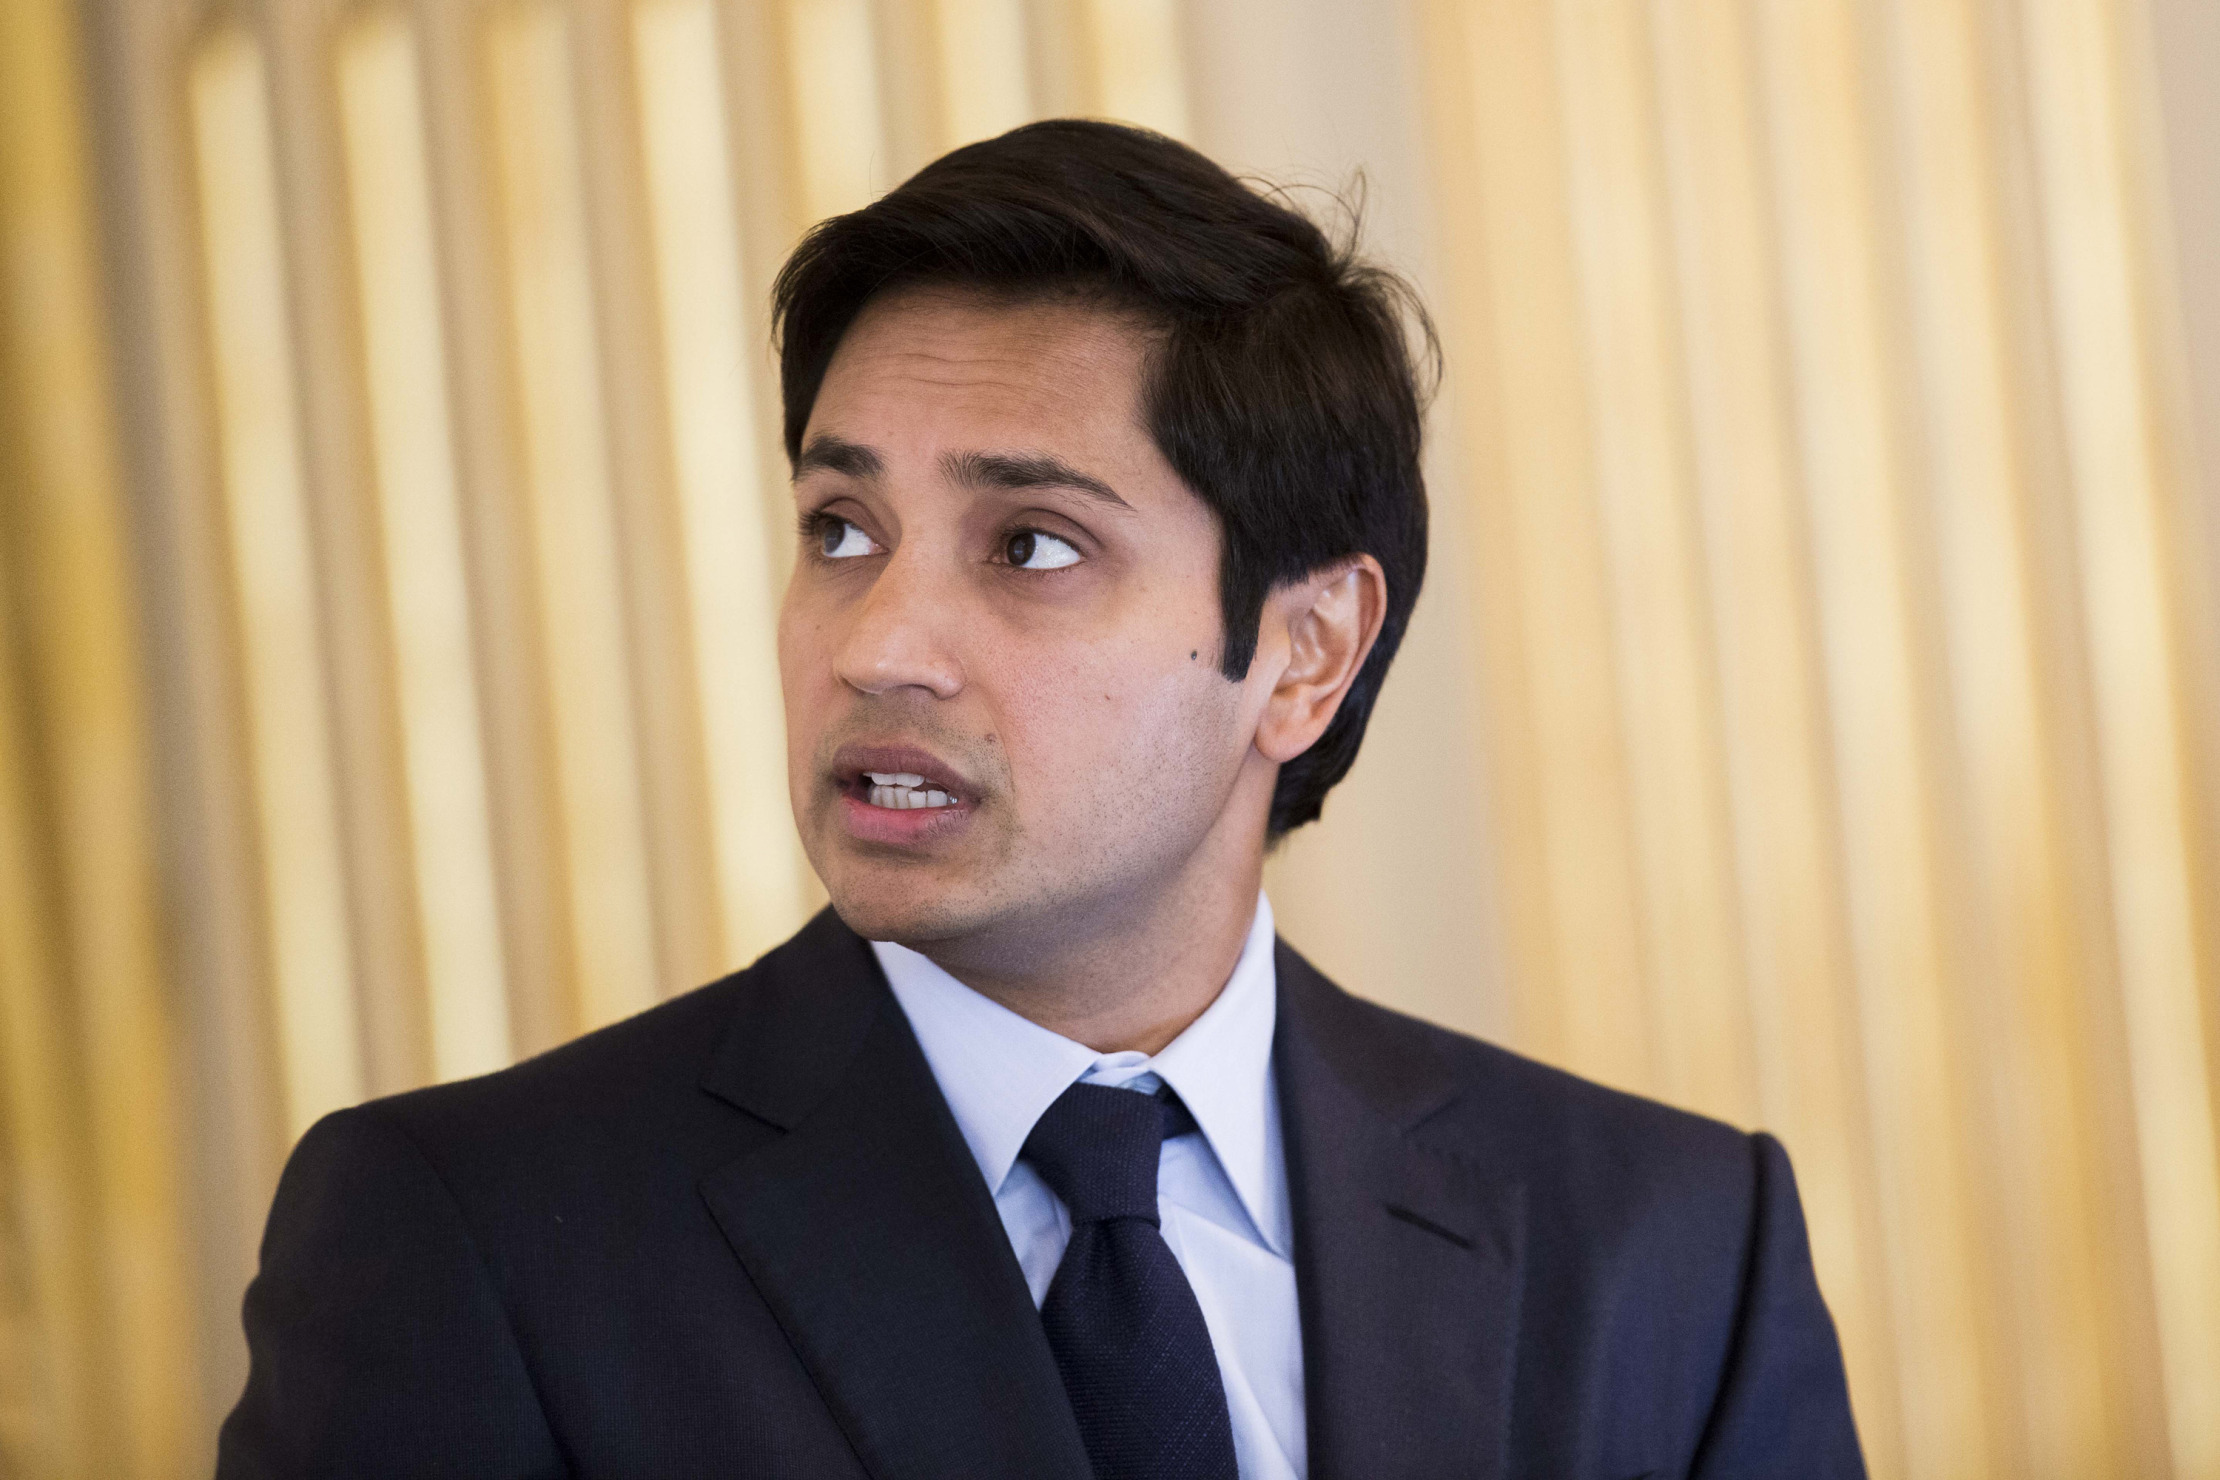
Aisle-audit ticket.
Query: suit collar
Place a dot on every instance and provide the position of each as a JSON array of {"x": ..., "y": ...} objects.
[
  {"x": 869, "y": 1233},
  {"x": 1407, "y": 1257},
  {"x": 803, "y": 1016}
]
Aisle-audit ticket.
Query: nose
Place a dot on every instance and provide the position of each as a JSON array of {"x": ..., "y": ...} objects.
[{"x": 896, "y": 636}]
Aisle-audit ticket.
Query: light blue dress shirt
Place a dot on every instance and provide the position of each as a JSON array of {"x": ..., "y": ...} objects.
[{"x": 1222, "y": 1195}]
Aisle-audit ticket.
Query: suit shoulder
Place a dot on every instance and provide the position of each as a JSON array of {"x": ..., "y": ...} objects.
[
  {"x": 1557, "y": 1129},
  {"x": 1559, "y": 1108},
  {"x": 638, "y": 1061},
  {"x": 646, "y": 1066}
]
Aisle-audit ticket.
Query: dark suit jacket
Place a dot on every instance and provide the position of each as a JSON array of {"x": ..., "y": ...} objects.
[{"x": 740, "y": 1235}]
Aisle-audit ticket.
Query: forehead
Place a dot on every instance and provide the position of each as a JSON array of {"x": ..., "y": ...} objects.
[{"x": 929, "y": 359}]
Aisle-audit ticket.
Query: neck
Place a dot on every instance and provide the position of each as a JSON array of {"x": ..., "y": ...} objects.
[{"x": 1126, "y": 973}]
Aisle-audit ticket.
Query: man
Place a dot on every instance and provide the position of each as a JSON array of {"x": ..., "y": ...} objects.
[{"x": 1037, "y": 1154}]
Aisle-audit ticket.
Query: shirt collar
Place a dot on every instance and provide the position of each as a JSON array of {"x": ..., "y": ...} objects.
[{"x": 999, "y": 1071}]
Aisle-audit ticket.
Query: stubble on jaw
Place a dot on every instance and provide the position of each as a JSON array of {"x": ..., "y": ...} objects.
[{"x": 1023, "y": 892}]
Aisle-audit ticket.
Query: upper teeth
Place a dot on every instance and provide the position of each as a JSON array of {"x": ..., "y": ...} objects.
[{"x": 902, "y": 790}]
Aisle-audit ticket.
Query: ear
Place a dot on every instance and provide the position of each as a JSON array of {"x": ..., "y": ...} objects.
[{"x": 1325, "y": 624}]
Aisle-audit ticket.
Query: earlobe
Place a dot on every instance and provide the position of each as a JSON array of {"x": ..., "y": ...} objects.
[{"x": 1331, "y": 619}]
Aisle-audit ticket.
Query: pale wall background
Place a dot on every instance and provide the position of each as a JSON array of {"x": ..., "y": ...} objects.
[{"x": 1813, "y": 715}]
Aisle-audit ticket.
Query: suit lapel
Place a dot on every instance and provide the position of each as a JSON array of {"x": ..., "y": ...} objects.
[
  {"x": 868, "y": 1230},
  {"x": 1407, "y": 1258}
]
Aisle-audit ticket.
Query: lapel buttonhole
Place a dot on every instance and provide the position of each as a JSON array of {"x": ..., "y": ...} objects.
[{"x": 1420, "y": 1220}]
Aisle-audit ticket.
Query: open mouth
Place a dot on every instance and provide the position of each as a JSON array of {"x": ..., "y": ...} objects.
[
  {"x": 901, "y": 791},
  {"x": 880, "y": 780}
]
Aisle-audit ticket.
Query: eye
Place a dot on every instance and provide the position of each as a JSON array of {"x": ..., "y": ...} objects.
[
  {"x": 837, "y": 539},
  {"x": 1029, "y": 549}
]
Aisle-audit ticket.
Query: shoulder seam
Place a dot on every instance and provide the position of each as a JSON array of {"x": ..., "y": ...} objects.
[
  {"x": 371, "y": 1112},
  {"x": 1744, "y": 1290}
]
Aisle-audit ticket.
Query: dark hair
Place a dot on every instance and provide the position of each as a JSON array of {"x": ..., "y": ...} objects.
[{"x": 1281, "y": 387}]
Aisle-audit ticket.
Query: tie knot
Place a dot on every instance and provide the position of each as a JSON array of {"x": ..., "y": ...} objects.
[{"x": 1097, "y": 1149}]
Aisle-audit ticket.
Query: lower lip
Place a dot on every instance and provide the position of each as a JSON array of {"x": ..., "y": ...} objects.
[{"x": 905, "y": 827}]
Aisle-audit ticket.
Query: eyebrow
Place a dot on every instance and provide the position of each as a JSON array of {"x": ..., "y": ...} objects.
[
  {"x": 837, "y": 455},
  {"x": 1013, "y": 470},
  {"x": 1004, "y": 470}
]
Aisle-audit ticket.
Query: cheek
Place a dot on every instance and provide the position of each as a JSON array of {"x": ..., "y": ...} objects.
[
  {"x": 1095, "y": 710},
  {"x": 1090, "y": 731},
  {"x": 805, "y": 670}
]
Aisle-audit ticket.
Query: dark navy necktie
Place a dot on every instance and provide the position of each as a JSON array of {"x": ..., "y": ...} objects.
[{"x": 1121, "y": 1317}]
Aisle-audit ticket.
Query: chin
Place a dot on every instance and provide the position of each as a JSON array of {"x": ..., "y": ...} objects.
[{"x": 897, "y": 905}]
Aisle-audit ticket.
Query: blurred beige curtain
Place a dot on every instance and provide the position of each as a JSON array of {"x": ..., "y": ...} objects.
[
  {"x": 1848, "y": 658},
  {"x": 1813, "y": 717}
]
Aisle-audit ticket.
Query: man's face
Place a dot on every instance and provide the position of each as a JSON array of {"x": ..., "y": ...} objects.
[{"x": 999, "y": 650}]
